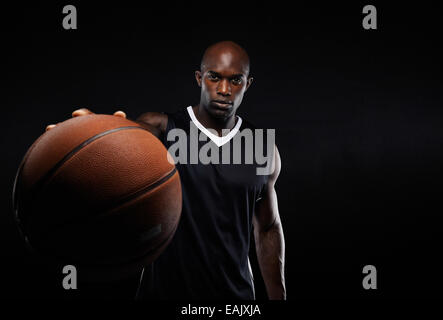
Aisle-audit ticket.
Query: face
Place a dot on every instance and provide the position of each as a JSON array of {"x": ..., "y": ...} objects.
[{"x": 223, "y": 81}]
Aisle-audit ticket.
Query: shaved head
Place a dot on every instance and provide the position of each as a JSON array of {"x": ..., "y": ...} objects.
[
  {"x": 226, "y": 52},
  {"x": 224, "y": 79}
]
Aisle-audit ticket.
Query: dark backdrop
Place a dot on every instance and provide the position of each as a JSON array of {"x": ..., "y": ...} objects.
[{"x": 358, "y": 116}]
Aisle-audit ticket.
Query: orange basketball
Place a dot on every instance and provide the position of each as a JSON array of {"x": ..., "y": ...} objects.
[{"x": 99, "y": 193}]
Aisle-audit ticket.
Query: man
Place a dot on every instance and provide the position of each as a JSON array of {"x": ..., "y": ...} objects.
[{"x": 208, "y": 256}]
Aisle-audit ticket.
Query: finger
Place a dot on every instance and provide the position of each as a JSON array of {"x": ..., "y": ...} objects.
[
  {"x": 81, "y": 112},
  {"x": 49, "y": 127},
  {"x": 120, "y": 114}
]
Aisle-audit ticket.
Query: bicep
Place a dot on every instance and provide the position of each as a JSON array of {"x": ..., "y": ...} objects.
[{"x": 266, "y": 212}]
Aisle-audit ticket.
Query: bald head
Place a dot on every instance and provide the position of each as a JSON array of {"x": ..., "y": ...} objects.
[
  {"x": 224, "y": 79},
  {"x": 226, "y": 53}
]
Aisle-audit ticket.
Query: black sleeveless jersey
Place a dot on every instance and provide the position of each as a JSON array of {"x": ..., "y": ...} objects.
[{"x": 208, "y": 255}]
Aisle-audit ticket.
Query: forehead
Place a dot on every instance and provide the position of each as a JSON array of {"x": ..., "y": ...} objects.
[{"x": 226, "y": 63}]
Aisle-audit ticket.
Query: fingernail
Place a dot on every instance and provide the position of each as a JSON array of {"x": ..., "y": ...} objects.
[{"x": 120, "y": 113}]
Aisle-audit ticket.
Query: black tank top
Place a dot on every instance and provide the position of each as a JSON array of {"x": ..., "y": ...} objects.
[{"x": 208, "y": 255}]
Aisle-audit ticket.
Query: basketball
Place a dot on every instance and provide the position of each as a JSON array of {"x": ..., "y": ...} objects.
[{"x": 99, "y": 193}]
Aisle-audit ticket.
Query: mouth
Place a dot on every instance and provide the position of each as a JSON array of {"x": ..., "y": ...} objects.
[{"x": 222, "y": 104}]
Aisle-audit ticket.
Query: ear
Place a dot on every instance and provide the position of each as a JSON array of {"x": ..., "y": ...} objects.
[
  {"x": 198, "y": 77},
  {"x": 248, "y": 84}
]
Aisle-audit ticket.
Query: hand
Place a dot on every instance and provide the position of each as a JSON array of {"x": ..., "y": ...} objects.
[{"x": 83, "y": 112}]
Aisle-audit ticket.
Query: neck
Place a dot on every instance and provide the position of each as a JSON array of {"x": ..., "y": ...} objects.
[{"x": 210, "y": 122}]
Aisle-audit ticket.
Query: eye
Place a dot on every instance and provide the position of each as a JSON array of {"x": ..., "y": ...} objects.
[
  {"x": 212, "y": 77},
  {"x": 237, "y": 80}
]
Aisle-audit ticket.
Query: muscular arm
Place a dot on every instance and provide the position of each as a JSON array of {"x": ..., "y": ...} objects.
[
  {"x": 155, "y": 122},
  {"x": 269, "y": 239}
]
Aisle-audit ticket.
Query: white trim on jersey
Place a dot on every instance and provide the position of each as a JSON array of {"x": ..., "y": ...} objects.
[{"x": 219, "y": 141}]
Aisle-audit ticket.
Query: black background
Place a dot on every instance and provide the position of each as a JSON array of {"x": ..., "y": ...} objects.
[{"x": 358, "y": 115}]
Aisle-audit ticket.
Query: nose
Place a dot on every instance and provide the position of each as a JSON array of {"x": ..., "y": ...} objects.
[{"x": 224, "y": 88}]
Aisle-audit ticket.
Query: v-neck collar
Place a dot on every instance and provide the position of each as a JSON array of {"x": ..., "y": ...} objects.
[{"x": 219, "y": 141}]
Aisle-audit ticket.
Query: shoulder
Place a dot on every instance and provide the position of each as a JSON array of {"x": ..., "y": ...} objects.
[
  {"x": 252, "y": 125},
  {"x": 276, "y": 166},
  {"x": 268, "y": 136},
  {"x": 247, "y": 124}
]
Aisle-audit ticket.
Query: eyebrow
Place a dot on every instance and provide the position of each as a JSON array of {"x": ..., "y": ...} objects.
[
  {"x": 214, "y": 73},
  {"x": 239, "y": 75}
]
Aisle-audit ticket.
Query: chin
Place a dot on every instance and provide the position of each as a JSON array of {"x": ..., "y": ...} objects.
[{"x": 221, "y": 114}]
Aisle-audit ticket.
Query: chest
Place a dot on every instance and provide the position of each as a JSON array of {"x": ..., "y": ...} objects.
[{"x": 225, "y": 178}]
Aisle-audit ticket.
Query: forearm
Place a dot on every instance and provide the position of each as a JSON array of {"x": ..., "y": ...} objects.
[
  {"x": 154, "y": 130},
  {"x": 270, "y": 248}
]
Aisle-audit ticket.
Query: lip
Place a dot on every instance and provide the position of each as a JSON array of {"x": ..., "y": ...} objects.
[{"x": 222, "y": 104}]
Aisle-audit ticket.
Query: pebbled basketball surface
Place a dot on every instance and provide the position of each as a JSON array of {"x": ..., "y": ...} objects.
[{"x": 98, "y": 191}]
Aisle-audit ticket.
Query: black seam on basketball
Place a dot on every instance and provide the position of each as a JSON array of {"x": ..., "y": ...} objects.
[
  {"x": 45, "y": 179},
  {"x": 103, "y": 212},
  {"x": 70, "y": 154},
  {"x": 16, "y": 192},
  {"x": 40, "y": 183},
  {"x": 16, "y": 185},
  {"x": 129, "y": 197}
]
